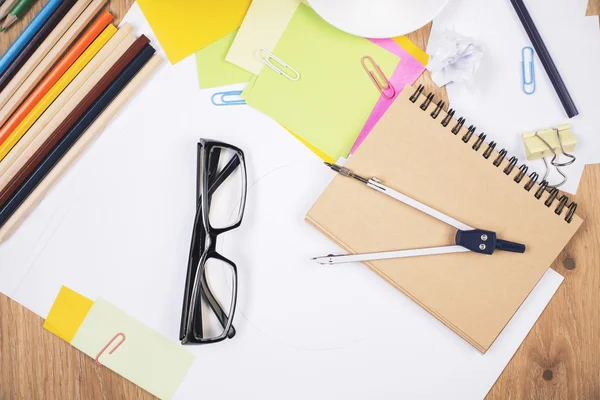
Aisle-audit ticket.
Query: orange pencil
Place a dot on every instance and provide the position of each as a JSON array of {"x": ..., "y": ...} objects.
[{"x": 54, "y": 75}]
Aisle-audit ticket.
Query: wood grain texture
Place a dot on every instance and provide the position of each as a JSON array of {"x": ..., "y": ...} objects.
[
  {"x": 559, "y": 359},
  {"x": 593, "y": 8}
]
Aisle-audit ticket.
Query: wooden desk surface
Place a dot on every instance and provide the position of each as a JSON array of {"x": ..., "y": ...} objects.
[{"x": 559, "y": 359}]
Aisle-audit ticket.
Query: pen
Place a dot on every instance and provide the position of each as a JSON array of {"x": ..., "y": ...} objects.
[{"x": 547, "y": 62}]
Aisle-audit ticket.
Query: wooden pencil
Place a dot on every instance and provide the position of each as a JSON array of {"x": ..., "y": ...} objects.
[
  {"x": 35, "y": 42},
  {"x": 6, "y": 7},
  {"x": 59, "y": 150},
  {"x": 54, "y": 75},
  {"x": 28, "y": 33},
  {"x": 60, "y": 85},
  {"x": 46, "y": 56},
  {"x": 72, "y": 119},
  {"x": 44, "y": 49},
  {"x": 65, "y": 103},
  {"x": 80, "y": 146},
  {"x": 17, "y": 12}
]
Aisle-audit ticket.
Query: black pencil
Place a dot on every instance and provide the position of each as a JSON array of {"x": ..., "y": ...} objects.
[
  {"x": 12, "y": 205},
  {"x": 35, "y": 42},
  {"x": 547, "y": 62}
]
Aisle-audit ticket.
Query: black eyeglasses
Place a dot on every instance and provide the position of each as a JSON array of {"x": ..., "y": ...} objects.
[{"x": 211, "y": 284}]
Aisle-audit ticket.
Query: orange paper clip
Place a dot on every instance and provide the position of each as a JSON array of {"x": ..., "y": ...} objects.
[
  {"x": 108, "y": 344},
  {"x": 386, "y": 91}
]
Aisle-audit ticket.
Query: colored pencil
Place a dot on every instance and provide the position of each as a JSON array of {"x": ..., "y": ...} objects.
[
  {"x": 17, "y": 12},
  {"x": 74, "y": 52},
  {"x": 96, "y": 109},
  {"x": 34, "y": 26},
  {"x": 56, "y": 90},
  {"x": 46, "y": 56},
  {"x": 65, "y": 103},
  {"x": 74, "y": 153},
  {"x": 6, "y": 7},
  {"x": 71, "y": 120},
  {"x": 35, "y": 43}
]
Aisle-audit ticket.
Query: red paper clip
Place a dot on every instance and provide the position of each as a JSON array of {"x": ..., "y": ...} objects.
[
  {"x": 382, "y": 89},
  {"x": 108, "y": 344}
]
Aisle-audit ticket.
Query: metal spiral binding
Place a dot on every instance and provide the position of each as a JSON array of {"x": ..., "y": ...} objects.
[
  {"x": 459, "y": 125},
  {"x": 500, "y": 157},
  {"x": 479, "y": 141},
  {"x": 488, "y": 152},
  {"x": 438, "y": 109},
  {"x": 448, "y": 118},
  {"x": 533, "y": 177},
  {"x": 542, "y": 189},
  {"x": 563, "y": 201},
  {"x": 427, "y": 102},
  {"x": 467, "y": 136},
  {"x": 512, "y": 163}
]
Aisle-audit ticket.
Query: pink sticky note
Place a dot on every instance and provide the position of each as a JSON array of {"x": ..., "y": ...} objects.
[{"x": 406, "y": 73}]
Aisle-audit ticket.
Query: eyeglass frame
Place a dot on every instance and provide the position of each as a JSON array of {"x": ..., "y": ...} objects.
[{"x": 204, "y": 239}]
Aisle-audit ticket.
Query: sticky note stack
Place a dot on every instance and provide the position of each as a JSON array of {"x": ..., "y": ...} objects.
[
  {"x": 119, "y": 342},
  {"x": 316, "y": 108}
]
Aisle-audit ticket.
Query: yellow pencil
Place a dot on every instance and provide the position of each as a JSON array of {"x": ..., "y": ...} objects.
[{"x": 56, "y": 90}]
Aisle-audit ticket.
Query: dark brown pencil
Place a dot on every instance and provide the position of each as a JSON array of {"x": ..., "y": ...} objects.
[{"x": 71, "y": 119}]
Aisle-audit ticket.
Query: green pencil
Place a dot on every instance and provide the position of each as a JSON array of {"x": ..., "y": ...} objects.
[
  {"x": 17, "y": 12},
  {"x": 6, "y": 7}
]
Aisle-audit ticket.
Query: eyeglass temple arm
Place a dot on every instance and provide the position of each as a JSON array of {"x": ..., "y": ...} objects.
[
  {"x": 205, "y": 292},
  {"x": 215, "y": 180}
]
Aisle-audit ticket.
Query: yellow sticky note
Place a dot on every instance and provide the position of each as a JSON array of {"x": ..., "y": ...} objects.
[
  {"x": 412, "y": 49},
  {"x": 312, "y": 148},
  {"x": 137, "y": 352},
  {"x": 264, "y": 24},
  {"x": 185, "y": 26},
  {"x": 67, "y": 313}
]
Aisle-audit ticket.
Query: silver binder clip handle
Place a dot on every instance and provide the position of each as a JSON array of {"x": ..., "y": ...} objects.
[{"x": 266, "y": 56}]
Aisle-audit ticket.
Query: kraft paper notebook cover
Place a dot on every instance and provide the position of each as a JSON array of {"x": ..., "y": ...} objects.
[{"x": 474, "y": 295}]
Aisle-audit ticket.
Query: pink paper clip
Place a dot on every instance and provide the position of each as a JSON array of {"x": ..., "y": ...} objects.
[
  {"x": 382, "y": 89},
  {"x": 108, "y": 344}
]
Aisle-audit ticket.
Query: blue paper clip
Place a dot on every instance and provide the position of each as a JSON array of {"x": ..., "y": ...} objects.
[
  {"x": 528, "y": 83},
  {"x": 223, "y": 98}
]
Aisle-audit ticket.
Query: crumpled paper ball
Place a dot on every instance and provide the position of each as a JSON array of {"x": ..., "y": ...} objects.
[{"x": 456, "y": 59}]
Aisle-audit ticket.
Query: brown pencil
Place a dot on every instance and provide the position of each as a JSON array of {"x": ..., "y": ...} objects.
[
  {"x": 65, "y": 103},
  {"x": 78, "y": 148},
  {"x": 7, "y": 192}
]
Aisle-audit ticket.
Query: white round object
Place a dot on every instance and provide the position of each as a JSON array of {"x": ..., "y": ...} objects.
[{"x": 378, "y": 18}]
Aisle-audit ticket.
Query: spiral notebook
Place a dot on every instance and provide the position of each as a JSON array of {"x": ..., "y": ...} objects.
[{"x": 423, "y": 152}]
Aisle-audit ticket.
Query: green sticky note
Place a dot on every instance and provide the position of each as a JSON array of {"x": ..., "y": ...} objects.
[
  {"x": 330, "y": 103},
  {"x": 144, "y": 356},
  {"x": 213, "y": 70}
]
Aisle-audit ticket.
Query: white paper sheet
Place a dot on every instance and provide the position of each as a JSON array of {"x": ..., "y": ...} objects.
[
  {"x": 119, "y": 224},
  {"x": 498, "y": 106}
]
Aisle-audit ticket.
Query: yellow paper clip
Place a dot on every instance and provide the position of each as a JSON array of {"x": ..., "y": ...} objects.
[
  {"x": 377, "y": 81},
  {"x": 266, "y": 56}
]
